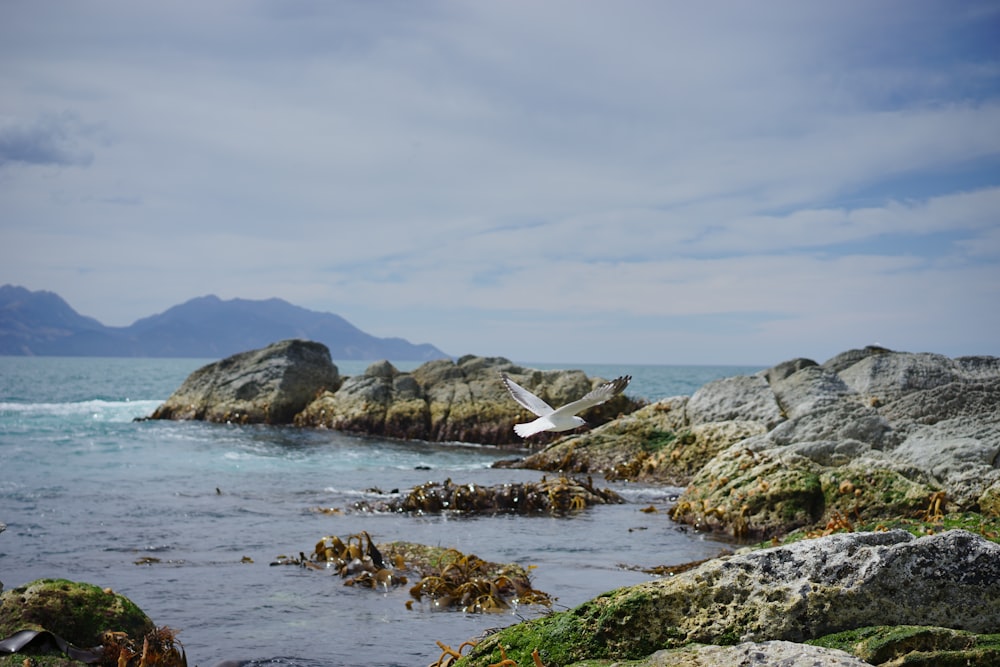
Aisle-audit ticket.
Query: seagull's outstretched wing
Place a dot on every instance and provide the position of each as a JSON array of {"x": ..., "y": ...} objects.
[
  {"x": 601, "y": 394},
  {"x": 526, "y": 399}
]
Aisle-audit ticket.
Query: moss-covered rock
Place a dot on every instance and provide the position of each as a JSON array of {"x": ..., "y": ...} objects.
[
  {"x": 77, "y": 612},
  {"x": 790, "y": 593},
  {"x": 747, "y": 653},
  {"x": 753, "y": 494},
  {"x": 916, "y": 645}
]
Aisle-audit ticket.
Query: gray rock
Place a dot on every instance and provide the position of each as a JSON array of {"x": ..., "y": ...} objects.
[
  {"x": 832, "y": 419},
  {"x": 961, "y": 455},
  {"x": 786, "y": 368},
  {"x": 931, "y": 420},
  {"x": 851, "y": 357},
  {"x": 738, "y": 398},
  {"x": 751, "y": 654},
  {"x": 808, "y": 389},
  {"x": 269, "y": 386},
  {"x": 888, "y": 376}
]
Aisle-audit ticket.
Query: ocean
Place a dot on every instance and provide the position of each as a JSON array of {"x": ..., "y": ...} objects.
[{"x": 185, "y": 518}]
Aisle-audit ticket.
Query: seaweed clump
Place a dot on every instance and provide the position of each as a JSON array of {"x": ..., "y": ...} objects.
[
  {"x": 558, "y": 496},
  {"x": 159, "y": 647},
  {"x": 448, "y": 579}
]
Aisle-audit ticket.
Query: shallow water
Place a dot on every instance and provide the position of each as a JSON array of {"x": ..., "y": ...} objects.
[{"x": 86, "y": 492}]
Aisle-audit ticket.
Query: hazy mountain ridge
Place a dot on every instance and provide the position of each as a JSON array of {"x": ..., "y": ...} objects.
[{"x": 42, "y": 323}]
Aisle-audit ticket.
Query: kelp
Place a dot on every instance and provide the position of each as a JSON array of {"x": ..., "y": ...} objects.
[
  {"x": 357, "y": 560},
  {"x": 450, "y": 656},
  {"x": 471, "y": 584},
  {"x": 448, "y": 579},
  {"x": 557, "y": 496},
  {"x": 159, "y": 647}
]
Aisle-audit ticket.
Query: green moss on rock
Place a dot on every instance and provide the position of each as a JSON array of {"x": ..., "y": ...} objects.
[
  {"x": 77, "y": 612},
  {"x": 916, "y": 645}
]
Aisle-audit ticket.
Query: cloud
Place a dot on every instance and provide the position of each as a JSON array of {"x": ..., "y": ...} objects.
[
  {"x": 49, "y": 139},
  {"x": 523, "y": 178}
]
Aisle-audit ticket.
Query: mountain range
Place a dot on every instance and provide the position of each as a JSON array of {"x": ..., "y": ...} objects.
[{"x": 42, "y": 323}]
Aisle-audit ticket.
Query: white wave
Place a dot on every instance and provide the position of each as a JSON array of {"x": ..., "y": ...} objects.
[{"x": 96, "y": 409}]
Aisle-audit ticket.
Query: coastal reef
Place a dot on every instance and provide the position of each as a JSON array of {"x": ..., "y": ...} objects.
[
  {"x": 59, "y": 622},
  {"x": 294, "y": 382}
]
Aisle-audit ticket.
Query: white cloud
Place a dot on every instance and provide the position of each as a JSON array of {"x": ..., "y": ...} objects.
[{"x": 553, "y": 170}]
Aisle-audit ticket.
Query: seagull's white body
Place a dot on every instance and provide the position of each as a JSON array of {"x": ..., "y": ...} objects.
[{"x": 564, "y": 418}]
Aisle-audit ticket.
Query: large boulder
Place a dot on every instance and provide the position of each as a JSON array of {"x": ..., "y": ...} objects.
[
  {"x": 794, "y": 593},
  {"x": 76, "y": 612},
  {"x": 266, "y": 386},
  {"x": 446, "y": 400}
]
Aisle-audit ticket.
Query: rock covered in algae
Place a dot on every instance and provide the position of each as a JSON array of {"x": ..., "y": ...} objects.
[
  {"x": 266, "y": 386},
  {"x": 792, "y": 593},
  {"x": 751, "y": 654},
  {"x": 916, "y": 645},
  {"x": 446, "y": 400},
  {"x": 77, "y": 612},
  {"x": 870, "y": 435},
  {"x": 652, "y": 444}
]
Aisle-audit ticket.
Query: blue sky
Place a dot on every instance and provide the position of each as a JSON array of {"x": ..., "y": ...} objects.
[{"x": 551, "y": 181}]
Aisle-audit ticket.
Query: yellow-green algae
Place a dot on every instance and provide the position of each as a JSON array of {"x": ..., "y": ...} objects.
[
  {"x": 916, "y": 645},
  {"x": 77, "y": 612}
]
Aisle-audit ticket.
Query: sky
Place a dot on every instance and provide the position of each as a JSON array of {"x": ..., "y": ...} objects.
[{"x": 655, "y": 182}]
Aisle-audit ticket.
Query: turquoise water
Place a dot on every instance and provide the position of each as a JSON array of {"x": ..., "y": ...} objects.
[{"x": 86, "y": 492}]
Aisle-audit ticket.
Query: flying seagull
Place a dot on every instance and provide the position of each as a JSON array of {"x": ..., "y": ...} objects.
[{"x": 563, "y": 419}]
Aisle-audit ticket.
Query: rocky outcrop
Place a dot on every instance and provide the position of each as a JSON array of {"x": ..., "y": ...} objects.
[
  {"x": 791, "y": 593},
  {"x": 294, "y": 382},
  {"x": 447, "y": 400},
  {"x": 868, "y": 435},
  {"x": 266, "y": 386},
  {"x": 654, "y": 444}
]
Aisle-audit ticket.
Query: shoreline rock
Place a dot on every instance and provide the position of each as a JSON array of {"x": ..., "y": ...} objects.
[
  {"x": 266, "y": 386},
  {"x": 793, "y": 593},
  {"x": 869, "y": 435},
  {"x": 295, "y": 383}
]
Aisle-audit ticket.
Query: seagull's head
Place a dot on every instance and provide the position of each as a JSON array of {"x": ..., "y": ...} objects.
[{"x": 579, "y": 421}]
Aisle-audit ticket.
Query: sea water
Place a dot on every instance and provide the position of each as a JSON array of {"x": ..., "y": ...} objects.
[{"x": 186, "y": 518}]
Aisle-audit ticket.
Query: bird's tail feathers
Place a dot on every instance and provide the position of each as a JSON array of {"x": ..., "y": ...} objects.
[{"x": 528, "y": 429}]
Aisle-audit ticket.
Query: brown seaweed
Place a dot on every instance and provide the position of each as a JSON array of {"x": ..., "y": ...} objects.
[
  {"x": 448, "y": 579},
  {"x": 559, "y": 496}
]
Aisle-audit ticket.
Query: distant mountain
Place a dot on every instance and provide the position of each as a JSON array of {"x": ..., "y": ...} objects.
[{"x": 42, "y": 323}]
